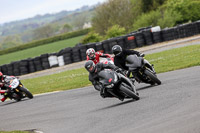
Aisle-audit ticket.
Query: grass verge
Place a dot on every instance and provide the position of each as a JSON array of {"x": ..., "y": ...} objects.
[
  {"x": 14, "y": 132},
  {"x": 37, "y": 51},
  {"x": 164, "y": 61}
]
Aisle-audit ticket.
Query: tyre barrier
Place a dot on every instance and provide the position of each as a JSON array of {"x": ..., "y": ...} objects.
[
  {"x": 99, "y": 47},
  {"x": 44, "y": 61},
  {"x": 121, "y": 41},
  {"x": 144, "y": 36},
  {"x": 61, "y": 61},
  {"x": 130, "y": 41},
  {"x": 106, "y": 47},
  {"x": 157, "y": 37},
  {"x": 111, "y": 43},
  {"x": 148, "y": 36},
  {"x": 16, "y": 71},
  {"x": 31, "y": 66},
  {"x": 83, "y": 49},
  {"x": 10, "y": 68},
  {"x": 37, "y": 63},
  {"x": 53, "y": 60},
  {"x": 91, "y": 45},
  {"x": 76, "y": 57},
  {"x": 140, "y": 40},
  {"x": 23, "y": 67},
  {"x": 4, "y": 69}
]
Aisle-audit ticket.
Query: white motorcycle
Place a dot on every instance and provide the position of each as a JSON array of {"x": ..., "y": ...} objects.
[{"x": 18, "y": 91}]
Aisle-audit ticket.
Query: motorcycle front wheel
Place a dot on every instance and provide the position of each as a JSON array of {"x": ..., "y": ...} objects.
[
  {"x": 28, "y": 94},
  {"x": 129, "y": 92},
  {"x": 152, "y": 76}
]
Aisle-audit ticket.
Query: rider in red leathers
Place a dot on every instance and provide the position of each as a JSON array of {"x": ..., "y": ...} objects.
[
  {"x": 95, "y": 56},
  {"x": 4, "y": 85}
]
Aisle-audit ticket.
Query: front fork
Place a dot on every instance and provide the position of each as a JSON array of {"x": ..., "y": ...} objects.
[{"x": 147, "y": 64}]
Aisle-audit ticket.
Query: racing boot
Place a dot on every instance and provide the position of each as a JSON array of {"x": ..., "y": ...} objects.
[
  {"x": 132, "y": 80},
  {"x": 3, "y": 99}
]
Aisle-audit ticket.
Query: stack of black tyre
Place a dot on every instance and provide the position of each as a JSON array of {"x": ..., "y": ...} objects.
[
  {"x": 10, "y": 68},
  {"x": 44, "y": 61},
  {"x": 148, "y": 36},
  {"x": 91, "y": 45},
  {"x": 67, "y": 55},
  {"x": 157, "y": 37},
  {"x": 83, "y": 49},
  {"x": 16, "y": 70},
  {"x": 106, "y": 47},
  {"x": 140, "y": 40},
  {"x": 112, "y": 42},
  {"x": 130, "y": 41},
  {"x": 76, "y": 57},
  {"x": 23, "y": 67},
  {"x": 121, "y": 41},
  {"x": 99, "y": 47},
  {"x": 31, "y": 66},
  {"x": 4, "y": 69}
]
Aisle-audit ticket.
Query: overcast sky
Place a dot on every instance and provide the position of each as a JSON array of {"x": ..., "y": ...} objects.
[{"x": 11, "y": 10}]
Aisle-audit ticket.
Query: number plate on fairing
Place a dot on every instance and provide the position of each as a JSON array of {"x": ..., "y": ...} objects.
[{"x": 14, "y": 83}]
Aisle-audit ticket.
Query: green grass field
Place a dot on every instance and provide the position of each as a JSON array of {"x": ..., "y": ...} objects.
[
  {"x": 164, "y": 61},
  {"x": 36, "y": 51}
]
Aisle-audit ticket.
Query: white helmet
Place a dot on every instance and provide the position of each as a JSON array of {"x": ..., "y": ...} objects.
[{"x": 90, "y": 53}]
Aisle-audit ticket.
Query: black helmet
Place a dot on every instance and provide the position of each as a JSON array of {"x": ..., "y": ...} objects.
[
  {"x": 117, "y": 50},
  {"x": 90, "y": 66}
]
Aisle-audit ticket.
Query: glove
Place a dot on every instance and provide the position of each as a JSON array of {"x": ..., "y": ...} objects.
[
  {"x": 141, "y": 54},
  {"x": 117, "y": 69}
]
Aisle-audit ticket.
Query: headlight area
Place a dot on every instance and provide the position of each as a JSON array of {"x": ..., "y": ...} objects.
[{"x": 109, "y": 86}]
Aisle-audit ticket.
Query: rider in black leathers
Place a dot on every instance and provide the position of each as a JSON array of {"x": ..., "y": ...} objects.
[
  {"x": 120, "y": 57},
  {"x": 121, "y": 54},
  {"x": 93, "y": 75}
]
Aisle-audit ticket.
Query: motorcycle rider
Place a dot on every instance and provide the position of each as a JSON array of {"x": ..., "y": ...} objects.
[
  {"x": 95, "y": 56},
  {"x": 121, "y": 54},
  {"x": 4, "y": 85},
  {"x": 93, "y": 70}
]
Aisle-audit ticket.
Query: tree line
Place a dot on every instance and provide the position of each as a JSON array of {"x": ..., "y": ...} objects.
[{"x": 118, "y": 17}]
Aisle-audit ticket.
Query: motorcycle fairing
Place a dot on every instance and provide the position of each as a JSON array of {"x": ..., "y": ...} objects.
[{"x": 133, "y": 62}]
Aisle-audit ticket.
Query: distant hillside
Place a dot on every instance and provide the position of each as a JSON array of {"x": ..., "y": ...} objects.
[
  {"x": 23, "y": 31},
  {"x": 20, "y": 26}
]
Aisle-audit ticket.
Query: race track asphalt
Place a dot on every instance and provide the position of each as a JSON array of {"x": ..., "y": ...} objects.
[{"x": 172, "y": 107}]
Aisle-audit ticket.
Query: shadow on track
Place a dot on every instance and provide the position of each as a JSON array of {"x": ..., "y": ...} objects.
[
  {"x": 146, "y": 87},
  {"x": 115, "y": 105},
  {"x": 12, "y": 102}
]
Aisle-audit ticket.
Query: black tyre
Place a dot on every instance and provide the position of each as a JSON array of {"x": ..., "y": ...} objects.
[
  {"x": 27, "y": 92},
  {"x": 129, "y": 92},
  {"x": 152, "y": 76}
]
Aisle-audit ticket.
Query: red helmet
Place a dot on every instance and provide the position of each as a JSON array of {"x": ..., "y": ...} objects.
[
  {"x": 1, "y": 75},
  {"x": 90, "y": 53}
]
